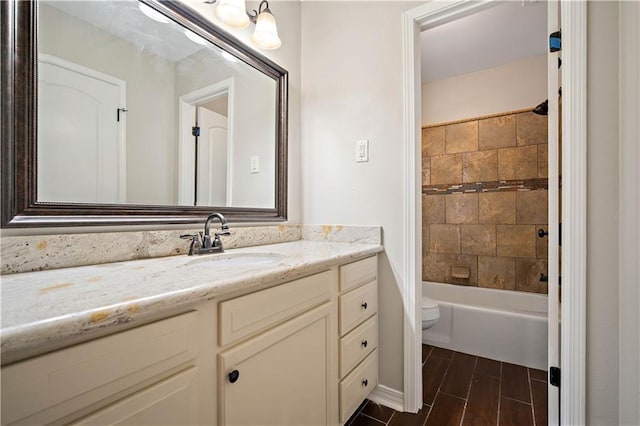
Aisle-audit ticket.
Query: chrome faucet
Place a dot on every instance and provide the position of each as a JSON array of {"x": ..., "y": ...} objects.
[{"x": 202, "y": 243}]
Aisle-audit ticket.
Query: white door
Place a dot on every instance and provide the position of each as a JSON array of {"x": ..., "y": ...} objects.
[
  {"x": 80, "y": 140},
  {"x": 553, "y": 84},
  {"x": 212, "y": 158}
]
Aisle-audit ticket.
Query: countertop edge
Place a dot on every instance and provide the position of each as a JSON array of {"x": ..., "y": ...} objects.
[{"x": 39, "y": 337}]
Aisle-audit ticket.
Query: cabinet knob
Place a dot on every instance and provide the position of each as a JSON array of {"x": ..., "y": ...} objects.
[
  {"x": 364, "y": 343},
  {"x": 364, "y": 305},
  {"x": 365, "y": 382},
  {"x": 233, "y": 376}
]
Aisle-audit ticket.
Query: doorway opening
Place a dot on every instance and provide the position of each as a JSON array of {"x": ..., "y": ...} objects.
[
  {"x": 485, "y": 204},
  {"x": 206, "y": 146},
  {"x": 573, "y": 74}
]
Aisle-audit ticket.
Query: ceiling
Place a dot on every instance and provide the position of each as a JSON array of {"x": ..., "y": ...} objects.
[
  {"x": 508, "y": 32},
  {"x": 124, "y": 20}
]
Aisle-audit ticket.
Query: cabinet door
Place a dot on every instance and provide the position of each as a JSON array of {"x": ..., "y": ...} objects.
[
  {"x": 284, "y": 376},
  {"x": 170, "y": 402}
]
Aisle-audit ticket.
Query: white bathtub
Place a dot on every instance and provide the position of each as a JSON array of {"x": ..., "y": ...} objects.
[{"x": 508, "y": 326}]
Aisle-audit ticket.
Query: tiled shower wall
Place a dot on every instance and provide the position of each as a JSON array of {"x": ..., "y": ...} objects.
[{"x": 484, "y": 198}]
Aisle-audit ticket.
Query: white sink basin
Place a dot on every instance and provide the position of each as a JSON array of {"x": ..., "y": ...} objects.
[{"x": 236, "y": 259}]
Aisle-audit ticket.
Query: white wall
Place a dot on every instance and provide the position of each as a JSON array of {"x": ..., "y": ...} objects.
[
  {"x": 602, "y": 214},
  {"x": 629, "y": 232},
  {"x": 509, "y": 87},
  {"x": 150, "y": 99},
  {"x": 352, "y": 89}
]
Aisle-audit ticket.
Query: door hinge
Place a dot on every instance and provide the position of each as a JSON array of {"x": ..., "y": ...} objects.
[
  {"x": 195, "y": 130},
  {"x": 555, "y": 41},
  {"x": 554, "y": 376}
]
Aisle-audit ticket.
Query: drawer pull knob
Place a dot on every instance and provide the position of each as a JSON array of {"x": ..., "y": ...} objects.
[
  {"x": 233, "y": 376},
  {"x": 364, "y": 343},
  {"x": 364, "y": 305},
  {"x": 365, "y": 382}
]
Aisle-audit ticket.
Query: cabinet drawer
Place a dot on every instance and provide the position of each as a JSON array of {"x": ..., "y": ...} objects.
[
  {"x": 358, "y": 273},
  {"x": 358, "y": 305},
  {"x": 49, "y": 387},
  {"x": 255, "y": 312},
  {"x": 357, "y": 386},
  {"x": 355, "y": 346}
]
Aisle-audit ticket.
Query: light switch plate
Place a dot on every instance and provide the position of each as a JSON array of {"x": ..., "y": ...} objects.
[
  {"x": 362, "y": 151},
  {"x": 255, "y": 164}
]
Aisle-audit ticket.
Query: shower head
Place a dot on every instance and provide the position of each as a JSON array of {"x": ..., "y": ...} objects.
[{"x": 542, "y": 109}]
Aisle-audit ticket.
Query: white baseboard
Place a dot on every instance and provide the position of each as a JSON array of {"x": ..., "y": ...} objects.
[{"x": 388, "y": 397}]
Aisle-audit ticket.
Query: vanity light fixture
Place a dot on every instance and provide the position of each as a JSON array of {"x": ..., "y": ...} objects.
[
  {"x": 234, "y": 14},
  {"x": 195, "y": 37},
  {"x": 228, "y": 56},
  {"x": 153, "y": 14}
]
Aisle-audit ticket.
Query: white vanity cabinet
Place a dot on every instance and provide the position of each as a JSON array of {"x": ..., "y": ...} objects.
[
  {"x": 152, "y": 374},
  {"x": 358, "y": 302},
  {"x": 282, "y": 370},
  {"x": 299, "y": 353}
]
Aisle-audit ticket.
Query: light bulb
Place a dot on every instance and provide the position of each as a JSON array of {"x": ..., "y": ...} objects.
[
  {"x": 233, "y": 13},
  {"x": 265, "y": 36},
  {"x": 153, "y": 14}
]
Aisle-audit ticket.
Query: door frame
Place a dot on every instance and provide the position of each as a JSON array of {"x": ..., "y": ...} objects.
[
  {"x": 573, "y": 327},
  {"x": 186, "y": 151}
]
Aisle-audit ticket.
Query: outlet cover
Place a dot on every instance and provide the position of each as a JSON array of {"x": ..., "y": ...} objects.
[{"x": 362, "y": 151}]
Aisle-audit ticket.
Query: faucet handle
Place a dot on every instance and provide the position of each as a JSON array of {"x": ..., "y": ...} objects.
[
  {"x": 193, "y": 237},
  {"x": 195, "y": 242}
]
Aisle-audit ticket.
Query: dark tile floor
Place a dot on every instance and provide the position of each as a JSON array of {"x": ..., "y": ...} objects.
[{"x": 460, "y": 389}]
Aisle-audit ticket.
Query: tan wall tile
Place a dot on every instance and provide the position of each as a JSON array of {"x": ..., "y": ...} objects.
[
  {"x": 516, "y": 240},
  {"x": 543, "y": 165},
  {"x": 531, "y": 206},
  {"x": 433, "y": 267},
  {"x": 497, "y": 132},
  {"x": 497, "y": 272},
  {"x": 444, "y": 238},
  {"x": 462, "y": 208},
  {"x": 433, "y": 141},
  {"x": 426, "y": 170},
  {"x": 433, "y": 209},
  {"x": 425, "y": 246},
  {"x": 437, "y": 268},
  {"x": 481, "y": 166},
  {"x": 528, "y": 275},
  {"x": 531, "y": 128},
  {"x": 478, "y": 239},
  {"x": 497, "y": 207},
  {"x": 518, "y": 163},
  {"x": 446, "y": 169},
  {"x": 461, "y": 137},
  {"x": 542, "y": 244}
]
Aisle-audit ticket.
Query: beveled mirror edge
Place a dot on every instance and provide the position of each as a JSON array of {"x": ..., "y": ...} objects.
[{"x": 19, "y": 120}]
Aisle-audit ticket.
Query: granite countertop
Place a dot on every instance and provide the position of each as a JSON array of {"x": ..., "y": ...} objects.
[{"x": 42, "y": 311}]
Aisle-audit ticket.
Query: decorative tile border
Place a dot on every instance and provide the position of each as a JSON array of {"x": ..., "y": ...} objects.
[{"x": 493, "y": 186}]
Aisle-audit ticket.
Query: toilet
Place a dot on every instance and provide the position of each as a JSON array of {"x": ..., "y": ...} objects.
[{"x": 430, "y": 312}]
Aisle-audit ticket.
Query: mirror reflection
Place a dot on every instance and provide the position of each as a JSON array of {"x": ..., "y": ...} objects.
[{"x": 135, "y": 109}]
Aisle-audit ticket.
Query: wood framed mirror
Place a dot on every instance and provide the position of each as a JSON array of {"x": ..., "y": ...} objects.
[{"x": 154, "y": 168}]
